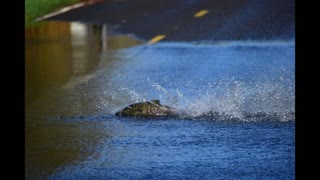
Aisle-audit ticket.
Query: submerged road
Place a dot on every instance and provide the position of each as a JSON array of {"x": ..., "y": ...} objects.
[
  {"x": 77, "y": 85},
  {"x": 192, "y": 20}
]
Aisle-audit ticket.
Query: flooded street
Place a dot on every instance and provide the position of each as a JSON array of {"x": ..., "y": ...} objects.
[
  {"x": 58, "y": 53},
  {"x": 79, "y": 75},
  {"x": 60, "y": 56}
]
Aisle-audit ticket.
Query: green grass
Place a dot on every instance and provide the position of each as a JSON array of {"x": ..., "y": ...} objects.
[{"x": 38, "y": 8}]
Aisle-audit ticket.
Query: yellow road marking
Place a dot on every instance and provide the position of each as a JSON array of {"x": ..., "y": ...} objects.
[
  {"x": 201, "y": 13},
  {"x": 156, "y": 39}
]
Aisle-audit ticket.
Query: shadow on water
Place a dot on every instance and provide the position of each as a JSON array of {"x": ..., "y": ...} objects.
[{"x": 60, "y": 55}]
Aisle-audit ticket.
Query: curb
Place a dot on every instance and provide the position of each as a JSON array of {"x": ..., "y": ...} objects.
[{"x": 68, "y": 8}]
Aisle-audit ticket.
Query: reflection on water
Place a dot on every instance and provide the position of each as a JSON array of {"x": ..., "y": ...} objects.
[
  {"x": 57, "y": 55},
  {"x": 48, "y": 61},
  {"x": 77, "y": 77},
  {"x": 57, "y": 51}
]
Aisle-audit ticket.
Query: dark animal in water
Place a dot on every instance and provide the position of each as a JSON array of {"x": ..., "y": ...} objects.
[{"x": 147, "y": 109}]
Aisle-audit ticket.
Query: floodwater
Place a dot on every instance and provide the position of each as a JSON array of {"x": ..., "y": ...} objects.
[{"x": 238, "y": 100}]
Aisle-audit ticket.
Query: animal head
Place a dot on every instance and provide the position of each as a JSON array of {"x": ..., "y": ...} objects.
[{"x": 149, "y": 108}]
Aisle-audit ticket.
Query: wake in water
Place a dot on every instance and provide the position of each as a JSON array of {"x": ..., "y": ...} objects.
[
  {"x": 241, "y": 117},
  {"x": 247, "y": 81},
  {"x": 231, "y": 80},
  {"x": 234, "y": 101},
  {"x": 231, "y": 100}
]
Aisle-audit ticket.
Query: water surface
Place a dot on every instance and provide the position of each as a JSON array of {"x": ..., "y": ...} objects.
[{"x": 239, "y": 97}]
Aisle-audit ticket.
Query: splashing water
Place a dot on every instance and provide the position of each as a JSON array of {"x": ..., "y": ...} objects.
[
  {"x": 233, "y": 100},
  {"x": 235, "y": 80}
]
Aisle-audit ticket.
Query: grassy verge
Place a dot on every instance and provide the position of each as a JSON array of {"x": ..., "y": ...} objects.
[{"x": 37, "y": 8}]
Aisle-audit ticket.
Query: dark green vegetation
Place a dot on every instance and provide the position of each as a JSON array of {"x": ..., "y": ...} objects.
[
  {"x": 37, "y": 8},
  {"x": 147, "y": 109}
]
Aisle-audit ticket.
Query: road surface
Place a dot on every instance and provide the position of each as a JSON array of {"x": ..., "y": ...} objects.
[{"x": 192, "y": 20}]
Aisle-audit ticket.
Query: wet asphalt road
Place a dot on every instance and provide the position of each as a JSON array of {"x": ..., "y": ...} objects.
[{"x": 224, "y": 20}]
